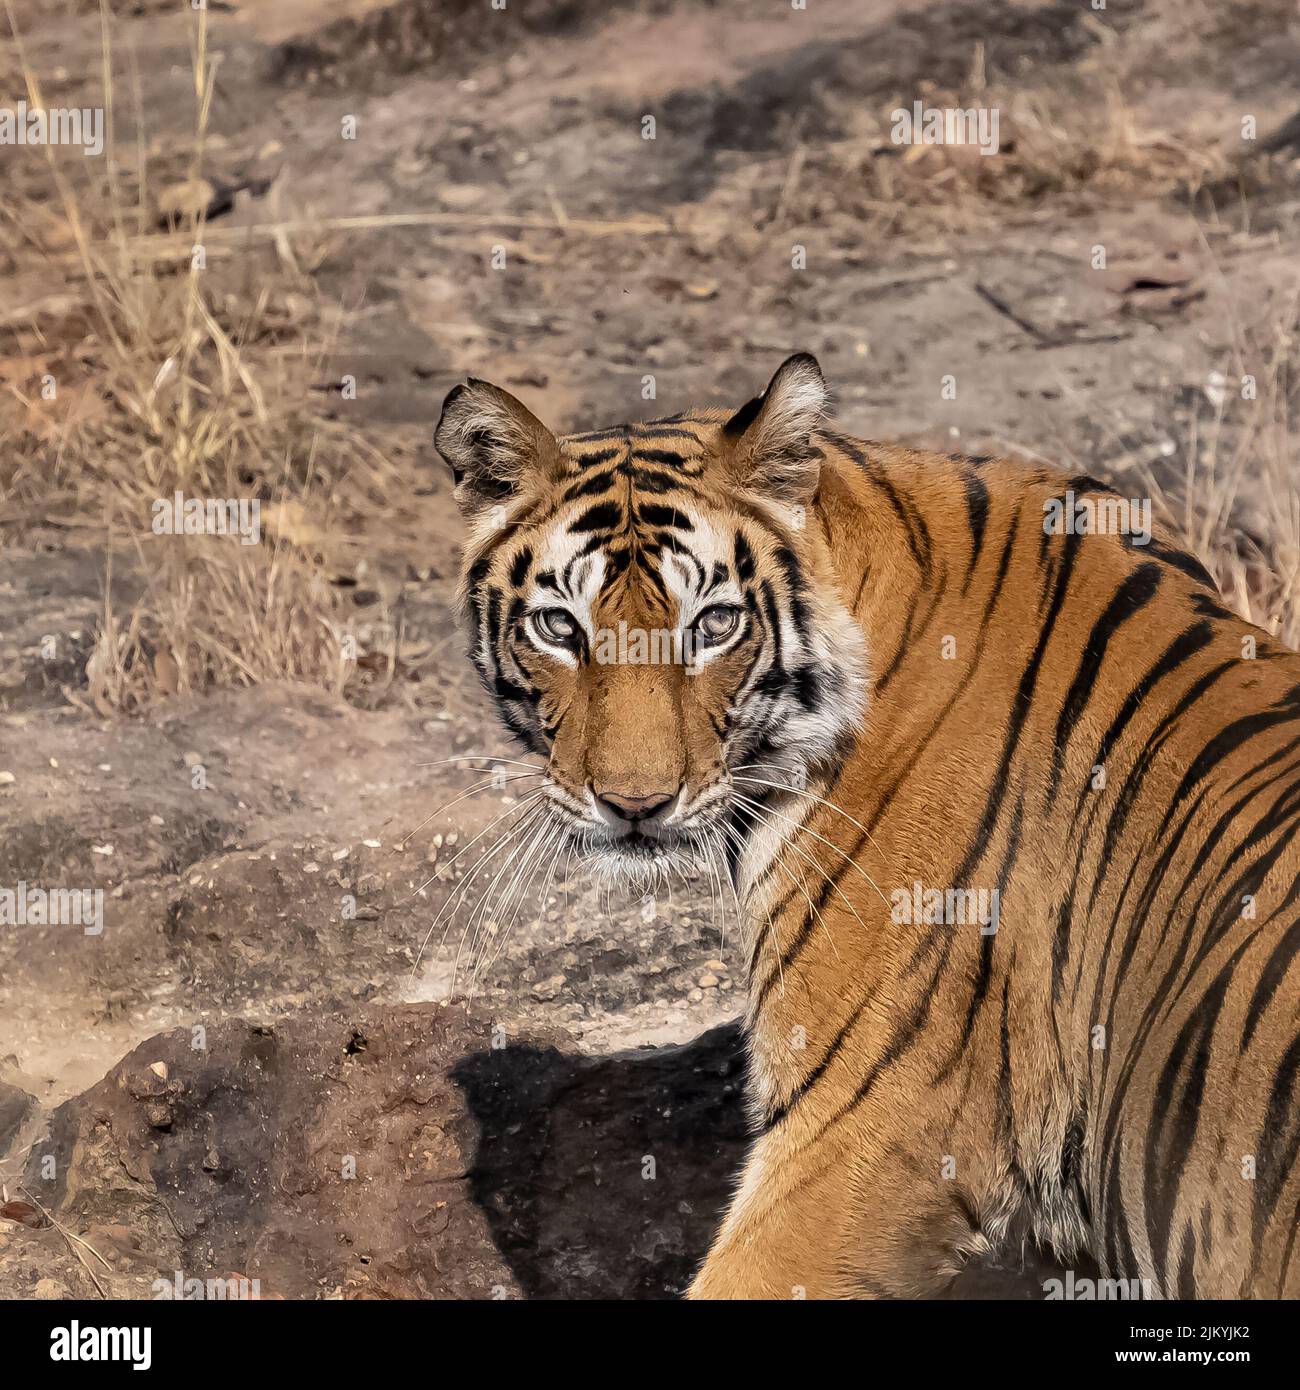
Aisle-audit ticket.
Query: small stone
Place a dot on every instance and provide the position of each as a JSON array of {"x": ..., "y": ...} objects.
[
  {"x": 719, "y": 965},
  {"x": 189, "y": 759},
  {"x": 459, "y": 196},
  {"x": 49, "y": 1289},
  {"x": 695, "y": 996},
  {"x": 158, "y": 1115},
  {"x": 546, "y": 990},
  {"x": 101, "y": 849},
  {"x": 340, "y": 854},
  {"x": 156, "y": 819},
  {"x": 7, "y": 779},
  {"x": 311, "y": 868},
  {"x": 159, "y": 1069},
  {"x": 371, "y": 844},
  {"x": 707, "y": 981}
]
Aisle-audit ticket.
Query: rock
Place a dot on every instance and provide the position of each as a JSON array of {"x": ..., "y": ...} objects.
[
  {"x": 397, "y": 1153},
  {"x": 15, "y": 1107},
  {"x": 50, "y": 1289}
]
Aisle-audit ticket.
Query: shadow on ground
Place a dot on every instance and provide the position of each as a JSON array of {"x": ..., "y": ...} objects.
[{"x": 607, "y": 1178}]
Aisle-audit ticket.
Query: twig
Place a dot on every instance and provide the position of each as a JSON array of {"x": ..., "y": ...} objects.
[
  {"x": 997, "y": 302},
  {"x": 169, "y": 243},
  {"x": 1042, "y": 339},
  {"x": 70, "y": 1238}
]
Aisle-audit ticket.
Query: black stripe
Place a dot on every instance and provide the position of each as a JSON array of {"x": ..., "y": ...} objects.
[
  {"x": 1172, "y": 1133},
  {"x": 1137, "y": 590},
  {"x": 1277, "y": 1161},
  {"x": 585, "y": 461},
  {"x": 586, "y": 487},
  {"x": 977, "y": 511},
  {"x": 519, "y": 567},
  {"x": 668, "y": 457},
  {"x": 653, "y": 514},
  {"x": 603, "y": 516},
  {"x": 1274, "y": 972},
  {"x": 1181, "y": 650}
]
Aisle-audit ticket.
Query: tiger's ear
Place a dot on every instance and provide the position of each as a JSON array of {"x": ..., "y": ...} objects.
[
  {"x": 494, "y": 445},
  {"x": 770, "y": 439}
]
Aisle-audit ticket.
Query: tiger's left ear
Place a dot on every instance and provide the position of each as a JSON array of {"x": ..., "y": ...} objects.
[
  {"x": 494, "y": 445},
  {"x": 772, "y": 453}
]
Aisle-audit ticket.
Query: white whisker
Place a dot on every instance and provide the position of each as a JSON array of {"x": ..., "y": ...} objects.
[
  {"x": 448, "y": 909},
  {"x": 529, "y": 802},
  {"x": 493, "y": 781},
  {"x": 812, "y": 796},
  {"x": 486, "y": 896},
  {"x": 806, "y": 830},
  {"x": 482, "y": 757}
]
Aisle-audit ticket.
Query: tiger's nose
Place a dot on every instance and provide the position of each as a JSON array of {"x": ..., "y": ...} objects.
[{"x": 634, "y": 808}]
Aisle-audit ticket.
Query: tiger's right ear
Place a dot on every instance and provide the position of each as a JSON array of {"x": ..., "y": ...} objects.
[
  {"x": 770, "y": 440},
  {"x": 494, "y": 445}
]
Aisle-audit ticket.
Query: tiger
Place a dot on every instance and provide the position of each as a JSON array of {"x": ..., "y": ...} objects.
[{"x": 1008, "y": 803}]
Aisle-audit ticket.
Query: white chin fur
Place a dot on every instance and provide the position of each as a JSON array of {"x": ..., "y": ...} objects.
[{"x": 641, "y": 873}]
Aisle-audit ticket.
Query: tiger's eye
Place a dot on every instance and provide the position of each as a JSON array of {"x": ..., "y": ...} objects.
[
  {"x": 716, "y": 624},
  {"x": 556, "y": 624}
]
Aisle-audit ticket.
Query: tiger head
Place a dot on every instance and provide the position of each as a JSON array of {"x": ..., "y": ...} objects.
[{"x": 653, "y": 609}]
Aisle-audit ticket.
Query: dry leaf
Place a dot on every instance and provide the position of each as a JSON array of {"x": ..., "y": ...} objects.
[{"x": 24, "y": 1214}]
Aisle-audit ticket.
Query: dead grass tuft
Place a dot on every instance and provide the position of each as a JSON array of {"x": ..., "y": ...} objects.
[
  {"x": 1235, "y": 503},
  {"x": 148, "y": 376},
  {"x": 1076, "y": 143}
]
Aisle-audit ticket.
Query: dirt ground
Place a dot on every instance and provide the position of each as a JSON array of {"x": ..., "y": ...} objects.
[{"x": 268, "y": 852}]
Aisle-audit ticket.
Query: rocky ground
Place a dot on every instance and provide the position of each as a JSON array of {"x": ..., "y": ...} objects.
[{"x": 257, "y": 1069}]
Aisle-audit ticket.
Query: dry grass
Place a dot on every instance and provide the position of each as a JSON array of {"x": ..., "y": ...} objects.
[
  {"x": 1081, "y": 143},
  {"x": 173, "y": 378},
  {"x": 1236, "y": 504},
  {"x": 1224, "y": 484}
]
